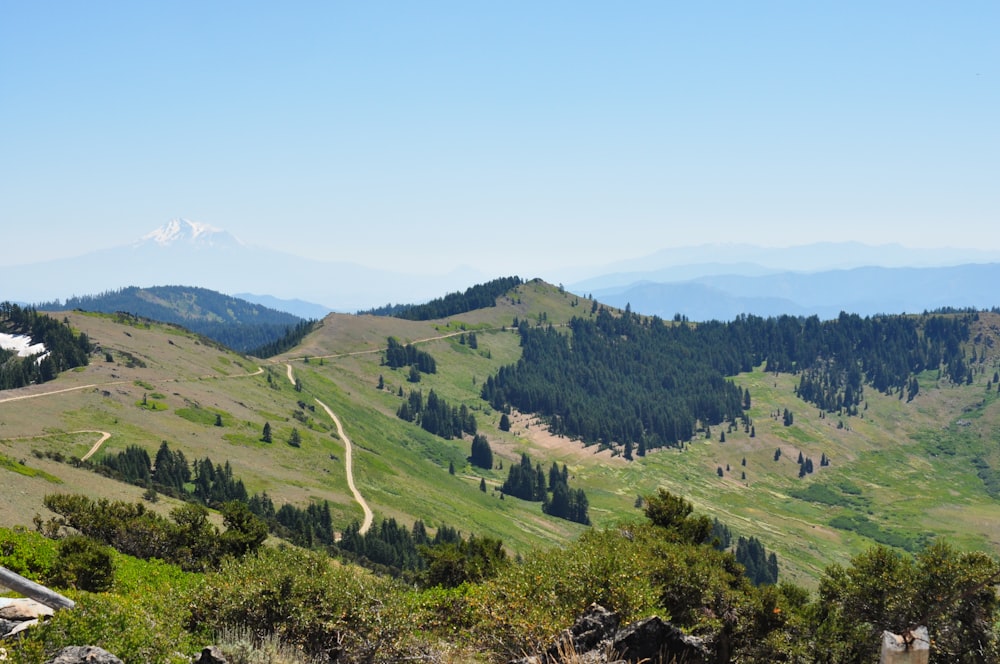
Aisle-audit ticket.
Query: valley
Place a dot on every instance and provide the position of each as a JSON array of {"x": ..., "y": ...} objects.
[{"x": 900, "y": 472}]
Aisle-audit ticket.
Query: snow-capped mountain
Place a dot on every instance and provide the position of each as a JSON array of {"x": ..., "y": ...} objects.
[
  {"x": 187, "y": 232},
  {"x": 187, "y": 253}
]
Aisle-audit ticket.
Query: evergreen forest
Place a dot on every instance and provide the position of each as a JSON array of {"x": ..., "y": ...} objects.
[
  {"x": 639, "y": 381},
  {"x": 475, "y": 297}
]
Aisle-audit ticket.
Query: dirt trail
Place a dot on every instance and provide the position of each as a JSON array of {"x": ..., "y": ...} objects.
[
  {"x": 348, "y": 463},
  {"x": 100, "y": 441}
]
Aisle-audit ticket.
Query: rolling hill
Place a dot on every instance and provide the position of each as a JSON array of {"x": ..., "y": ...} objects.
[
  {"x": 901, "y": 472},
  {"x": 237, "y": 323}
]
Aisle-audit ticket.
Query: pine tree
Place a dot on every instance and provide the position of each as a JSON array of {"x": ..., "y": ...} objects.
[
  {"x": 482, "y": 454},
  {"x": 266, "y": 435},
  {"x": 482, "y": 484}
]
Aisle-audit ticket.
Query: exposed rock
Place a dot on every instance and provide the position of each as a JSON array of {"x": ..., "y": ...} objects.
[
  {"x": 18, "y": 614},
  {"x": 597, "y": 624},
  {"x": 21, "y": 626},
  {"x": 652, "y": 640},
  {"x": 23, "y": 609},
  {"x": 84, "y": 655},
  {"x": 211, "y": 655},
  {"x": 595, "y": 639}
]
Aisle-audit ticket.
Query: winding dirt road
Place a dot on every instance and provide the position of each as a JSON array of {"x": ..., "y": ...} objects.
[{"x": 348, "y": 463}]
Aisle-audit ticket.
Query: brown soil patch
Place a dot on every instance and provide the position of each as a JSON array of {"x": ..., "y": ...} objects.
[{"x": 557, "y": 448}]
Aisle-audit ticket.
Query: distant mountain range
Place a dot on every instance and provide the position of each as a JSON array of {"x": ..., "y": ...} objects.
[
  {"x": 713, "y": 281},
  {"x": 865, "y": 291},
  {"x": 187, "y": 252}
]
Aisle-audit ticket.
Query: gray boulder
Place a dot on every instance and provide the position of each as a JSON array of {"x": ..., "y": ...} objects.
[
  {"x": 653, "y": 640},
  {"x": 84, "y": 655},
  {"x": 596, "y": 639}
]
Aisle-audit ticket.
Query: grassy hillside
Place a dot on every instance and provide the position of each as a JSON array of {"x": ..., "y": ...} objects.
[{"x": 900, "y": 472}]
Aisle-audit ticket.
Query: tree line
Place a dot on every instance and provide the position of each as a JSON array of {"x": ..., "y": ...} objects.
[
  {"x": 397, "y": 355},
  {"x": 475, "y": 297},
  {"x": 531, "y": 483},
  {"x": 437, "y": 416}
]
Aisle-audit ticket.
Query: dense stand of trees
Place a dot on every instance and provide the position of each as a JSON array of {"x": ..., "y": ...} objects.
[
  {"x": 482, "y": 453},
  {"x": 632, "y": 380},
  {"x": 480, "y": 296},
  {"x": 531, "y": 483},
  {"x": 446, "y": 559},
  {"x": 63, "y": 349},
  {"x": 436, "y": 416},
  {"x": 398, "y": 355},
  {"x": 293, "y": 337},
  {"x": 759, "y": 566}
]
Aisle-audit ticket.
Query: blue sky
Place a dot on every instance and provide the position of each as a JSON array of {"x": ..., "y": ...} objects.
[{"x": 506, "y": 136}]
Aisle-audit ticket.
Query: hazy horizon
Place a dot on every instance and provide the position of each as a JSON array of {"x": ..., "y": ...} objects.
[{"x": 509, "y": 139}]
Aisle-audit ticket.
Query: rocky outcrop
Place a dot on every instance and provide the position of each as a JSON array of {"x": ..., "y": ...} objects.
[
  {"x": 595, "y": 638},
  {"x": 18, "y": 614},
  {"x": 84, "y": 655}
]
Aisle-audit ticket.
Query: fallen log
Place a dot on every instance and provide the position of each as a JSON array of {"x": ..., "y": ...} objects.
[{"x": 35, "y": 591}]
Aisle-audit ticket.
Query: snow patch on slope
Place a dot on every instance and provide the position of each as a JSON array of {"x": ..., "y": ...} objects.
[{"x": 21, "y": 344}]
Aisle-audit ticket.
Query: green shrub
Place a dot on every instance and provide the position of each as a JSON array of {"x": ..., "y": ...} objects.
[
  {"x": 307, "y": 600},
  {"x": 527, "y": 604},
  {"x": 26, "y": 553},
  {"x": 138, "y": 629},
  {"x": 82, "y": 563}
]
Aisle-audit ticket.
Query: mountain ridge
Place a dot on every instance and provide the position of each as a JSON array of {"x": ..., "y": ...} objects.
[{"x": 196, "y": 252}]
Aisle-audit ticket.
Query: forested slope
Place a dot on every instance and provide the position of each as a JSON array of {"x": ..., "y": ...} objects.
[{"x": 639, "y": 381}]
